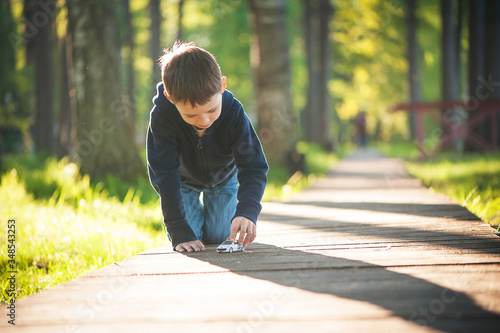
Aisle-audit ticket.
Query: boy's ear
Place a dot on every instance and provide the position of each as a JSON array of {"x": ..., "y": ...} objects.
[{"x": 224, "y": 84}]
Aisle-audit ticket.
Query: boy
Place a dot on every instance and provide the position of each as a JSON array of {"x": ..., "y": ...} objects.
[{"x": 200, "y": 141}]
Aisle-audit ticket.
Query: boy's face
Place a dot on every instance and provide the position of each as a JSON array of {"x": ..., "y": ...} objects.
[{"x": 203, "y": 116}]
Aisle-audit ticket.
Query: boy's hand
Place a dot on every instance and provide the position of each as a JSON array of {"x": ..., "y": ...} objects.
[
  {"x": 246, "y": 228},
  {"x": 191, "y": 246}
]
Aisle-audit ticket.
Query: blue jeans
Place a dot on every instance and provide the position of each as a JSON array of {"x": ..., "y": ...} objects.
[{"x": 210, "y": 214}]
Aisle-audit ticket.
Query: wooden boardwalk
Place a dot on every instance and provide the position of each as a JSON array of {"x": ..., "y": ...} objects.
[{"x": 366, "y": 249}]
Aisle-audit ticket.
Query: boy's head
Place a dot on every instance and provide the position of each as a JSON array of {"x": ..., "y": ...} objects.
[
  {"x": 193, "y": 82},
  {"x": 190, "y": 74}
]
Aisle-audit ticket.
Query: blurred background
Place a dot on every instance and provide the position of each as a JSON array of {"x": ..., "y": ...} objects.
[
  {"x": 323, "y": 61},
  {"x": 318, "y": 78}
]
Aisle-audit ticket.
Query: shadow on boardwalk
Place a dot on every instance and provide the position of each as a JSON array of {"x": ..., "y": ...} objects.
[
  {"x": 419, "y": 209},
  {"x": 412, "y": 299},
  {"x": 434, "y": 241},
  {"x": 458, "y": 240}
]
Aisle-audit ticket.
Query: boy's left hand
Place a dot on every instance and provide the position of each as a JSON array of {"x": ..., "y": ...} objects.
[{"x": 246, "y": 228}]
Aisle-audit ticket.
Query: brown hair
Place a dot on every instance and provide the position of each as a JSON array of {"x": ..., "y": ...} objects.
[{"x": 190, "y": 73}]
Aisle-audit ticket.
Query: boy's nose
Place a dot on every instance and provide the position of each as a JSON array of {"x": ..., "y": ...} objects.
[{"x": 205, "y": 121}]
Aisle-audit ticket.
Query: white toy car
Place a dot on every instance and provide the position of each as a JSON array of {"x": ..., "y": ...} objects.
[{"x": 228, "y": 246}]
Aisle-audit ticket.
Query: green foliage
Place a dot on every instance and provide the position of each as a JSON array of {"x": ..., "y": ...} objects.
[
  {"x": 318, "y": 161},
  {"x": 298, "y": 58},
  {"x": 47, "y": 178},
  {"x": 369, "y": 63},
  {"x": 473, "y": 180},
  {"x": 406, "y": 150},
  {"x": 231, "y": 46},
  {"x": 66, "y": 226},
  {"x": 429, "y": 39}
]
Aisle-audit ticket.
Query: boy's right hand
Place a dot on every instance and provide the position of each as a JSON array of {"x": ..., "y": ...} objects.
[{"x": 191, "y": 246}]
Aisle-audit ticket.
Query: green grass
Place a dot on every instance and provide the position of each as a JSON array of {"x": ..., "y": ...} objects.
[
  {"x": 280, "y": 185},
  {"x": 471, "y": 179},
  {"x": 66, "y": 225}
]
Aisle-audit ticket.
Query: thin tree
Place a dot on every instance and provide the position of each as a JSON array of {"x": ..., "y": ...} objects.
[
  {"x": 491, "y": 81},
  {"x": 311, "y": 112},
  {"x": 104, "y": 131},
  {"x": 29, "y": 9},
  {"x": 325, "y": 16},
  {"x": 450, "y": 65},
  {"x": 155, "y": 48},
  {"x": 13, "y": 122},
  {"x": 413, "y": 63},
  {"x": 40, "y": 53},
  {"x": 317, "y": 117},
  {"x": 66, "y": 134},
  {"x": 129, "y": 44},
  {"x": 476, "y": 55},
  {"x": 271, "y": 63},
  {"x": 180, "y": 14}
]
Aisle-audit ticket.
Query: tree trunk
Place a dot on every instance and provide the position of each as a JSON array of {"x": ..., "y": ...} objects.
[
  {"x": 450, "y": 65},
  {"x": 325, "y": 16},
  {"x": 154, "y": 10},
  {"x": 491, "y": 81},
  {"x": 66, "y": 140},
  {"x": 476, "y": 44},
  {"x": 311, "y": 118},
  {"x": 476, "y": 59},
  {"x": 179, "y": 20},
  {"x": 317, "y": 15},
  {"x": 413, "y": 63},
  {"x": 12, "y": 114},
  {"x": 271, "y": 63},
  {"x": 130, "y": 59},
  {"x": 104, "y": 131},
  {"x": 29, "y": 8},
  {"x": 44, "y": 77}
]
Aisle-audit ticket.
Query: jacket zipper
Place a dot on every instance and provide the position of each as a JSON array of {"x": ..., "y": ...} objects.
[{"x": 199, "y": 146}]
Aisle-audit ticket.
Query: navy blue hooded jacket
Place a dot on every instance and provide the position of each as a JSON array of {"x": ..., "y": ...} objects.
[{"x": 177, "y": 155}]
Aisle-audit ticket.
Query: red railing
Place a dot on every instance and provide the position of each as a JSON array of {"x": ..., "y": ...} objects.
[{"x": 474, "y": 113}]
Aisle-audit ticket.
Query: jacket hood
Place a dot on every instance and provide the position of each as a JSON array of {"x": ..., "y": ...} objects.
[{"x": 160, "y": 99}]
